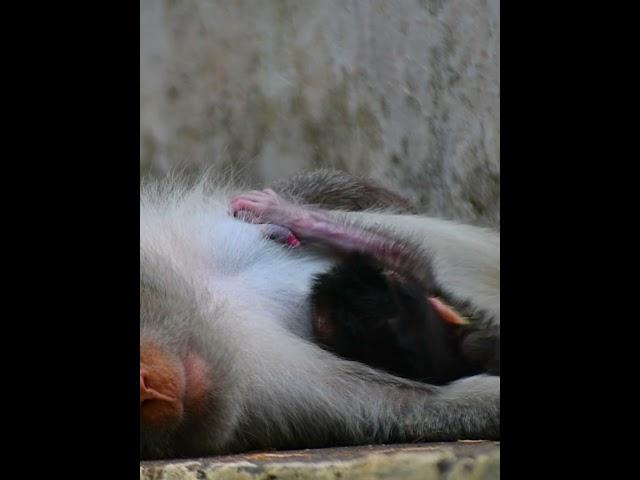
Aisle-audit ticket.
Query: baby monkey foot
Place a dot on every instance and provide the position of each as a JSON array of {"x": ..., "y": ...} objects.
[
  {"x": 272, "y": 212},
  {"x": 266, "y": 207}
]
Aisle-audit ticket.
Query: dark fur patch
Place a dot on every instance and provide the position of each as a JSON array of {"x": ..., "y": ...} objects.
[{"x": 365, "y": 312}]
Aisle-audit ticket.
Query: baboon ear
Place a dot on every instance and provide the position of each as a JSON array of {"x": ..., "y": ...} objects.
[{"x": 447, "y": 313}]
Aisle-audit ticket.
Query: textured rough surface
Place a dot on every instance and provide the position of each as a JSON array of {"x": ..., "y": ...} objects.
[
  {"x": 451, "y": 461},
  {"x": 407, "y": 92}
]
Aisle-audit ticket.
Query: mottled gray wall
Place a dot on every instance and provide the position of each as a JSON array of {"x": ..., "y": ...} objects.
[{"x": 406, "y": 91}]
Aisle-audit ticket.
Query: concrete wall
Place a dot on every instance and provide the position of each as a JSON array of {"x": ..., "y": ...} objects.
[{"x": 406, "y": 91}]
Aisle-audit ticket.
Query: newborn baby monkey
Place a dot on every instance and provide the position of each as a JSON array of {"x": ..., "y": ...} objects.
[{"x": 381, "y": 303}]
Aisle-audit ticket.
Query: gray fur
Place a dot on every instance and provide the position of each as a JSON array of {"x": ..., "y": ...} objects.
[
  {"x": 212, "y": 284},
  {"x": 336, "y": 190}
]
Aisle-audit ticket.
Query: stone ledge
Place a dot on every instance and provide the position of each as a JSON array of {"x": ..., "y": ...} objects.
[{"x": 451, "y": 461}]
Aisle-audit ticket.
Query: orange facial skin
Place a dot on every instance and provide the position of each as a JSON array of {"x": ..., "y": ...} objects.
[
  {"x": 162, "y": 387},
  {"x": 169, "y": 385}
]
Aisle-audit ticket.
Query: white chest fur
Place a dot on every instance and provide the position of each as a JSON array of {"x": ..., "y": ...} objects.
[{"x": 230, "y": 259}]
